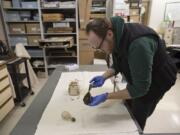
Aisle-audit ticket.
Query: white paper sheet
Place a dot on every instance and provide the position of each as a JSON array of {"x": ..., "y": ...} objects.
[{"x": 108, "y": 118}]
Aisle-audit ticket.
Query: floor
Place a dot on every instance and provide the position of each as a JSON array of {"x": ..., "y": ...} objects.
[
  {"x": 167, "y": 112},
  {"x": 166, "y": 117},
  {"x": 13, "y": 117}
]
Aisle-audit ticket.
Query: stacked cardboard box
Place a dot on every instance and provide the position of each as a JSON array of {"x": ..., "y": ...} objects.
[
  {"x": 7, "y": 4},
  {"x": 33, "y": 40},
  {"x": 53, "y": 4},
  {"x": 134, "y": 11},
  {"x": 33, "y": 28},
  {"x": 17, "y": 28},
  {"x": 135, "y": 18},
  {"x": 53, "y": 17},
  {"x": 60, "y": 30},
  {"x": 58, "y": 41},
  {"x": 93, "y": 15}
]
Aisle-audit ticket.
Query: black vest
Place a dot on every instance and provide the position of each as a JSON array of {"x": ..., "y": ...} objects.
[{"x": 163, "y": 71}]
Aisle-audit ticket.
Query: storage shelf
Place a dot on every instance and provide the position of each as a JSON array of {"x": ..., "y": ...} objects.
[
  {"x": 38, "y": 67},
  {"x": 59, "y": 47},
  {"x": 63, "y": 21},
  {"x": 24, "y": 34},
  {"x": 36, "y": 56},
  {"x": 61, "y": 56},
  {"x": 58, "y": 8},
  {"x": 59, "y": 33},
  {"x": 134, "y": 7},
  {"x": 21, "y": 8},
  {"x": 55, "y": 66},
  {"x": 30, "y": 21},
  {"x": 70, "y": 17},
  {"x": 36, "y": 46}
]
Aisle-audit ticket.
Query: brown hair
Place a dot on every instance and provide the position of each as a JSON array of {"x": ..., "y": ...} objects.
[{"x": 99, "y": 26}]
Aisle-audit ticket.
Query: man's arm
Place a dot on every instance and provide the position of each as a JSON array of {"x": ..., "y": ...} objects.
[
  {"x": 109, "y": 73},
  {"x": 123, "y": 94}
]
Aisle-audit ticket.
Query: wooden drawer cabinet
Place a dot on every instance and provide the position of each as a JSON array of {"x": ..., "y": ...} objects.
[
  {"x": 3, "y": 71},
  {"x": 6, "y": 108},
  {"x": 6, "y": 100},
  {"x": 4, "y": 82},
  {"x": 5, "y": 94}
]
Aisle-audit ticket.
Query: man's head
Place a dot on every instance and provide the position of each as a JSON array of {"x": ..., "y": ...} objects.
[{"x": 100, "y": 35}]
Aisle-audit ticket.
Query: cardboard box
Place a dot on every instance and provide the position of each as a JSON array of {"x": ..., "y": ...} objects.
[
  {"x": 59, "y": 41},
  {"x": 67, "y": 4},
  {"x": 53, "y": 17},
  {"x": 86, "y": 53},
  {"x": 95, "y": 15},
  {"x": 33, "y": 40},
  {"x": 50, "y": 4},
  {"x": 29, "y": 4},
  {"x": 17, "y": 29},
  {"x": 84, "y": 12},
  {"x": 135, "y": 18},
  {"x": 16, "y": 3},
  {"x": 7, "y": 4},
  {"x": 134, "y": 11},
  {"x": 55, "y": 25},
  {"x": 60, "y": 30},
  {"x": 33, "y": 28}
]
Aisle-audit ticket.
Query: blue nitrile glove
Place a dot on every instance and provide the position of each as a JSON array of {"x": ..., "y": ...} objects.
[
  {"x": 98, "y": 99},
  {"x": 97, "y": 81}
]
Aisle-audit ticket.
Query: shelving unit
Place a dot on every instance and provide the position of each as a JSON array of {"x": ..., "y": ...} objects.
[
  {"x": 134, "y": 10},
  {"x": 98, "y": 9},
  {"x": 36, "y": 11}
]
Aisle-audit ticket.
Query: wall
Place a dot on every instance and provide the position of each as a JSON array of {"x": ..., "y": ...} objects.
[{"x": 157, "y": 12}]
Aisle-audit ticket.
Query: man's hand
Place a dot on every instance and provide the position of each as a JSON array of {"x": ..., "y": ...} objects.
[
  {"x": 98, "y": 99},
  {"x": 97, "y": 81}
]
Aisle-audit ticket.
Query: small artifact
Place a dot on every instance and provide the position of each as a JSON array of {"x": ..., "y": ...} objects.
[
  {"x": 87, "y": 97},
  {"x": 73, "y": 88},
  {"x": 67, "y": 116}
]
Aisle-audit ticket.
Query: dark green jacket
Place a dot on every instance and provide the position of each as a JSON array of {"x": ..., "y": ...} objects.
[{"x": 140, "y": 60}]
